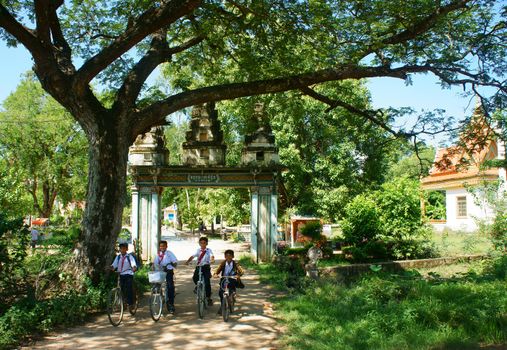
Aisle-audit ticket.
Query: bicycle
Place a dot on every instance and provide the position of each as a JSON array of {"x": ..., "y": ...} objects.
[
  {"x": 115, "y": 303},
  {"x": 201, "y": 294},
  {"x": 228, "y": 299},
  {"x": 157, "y": 296}
]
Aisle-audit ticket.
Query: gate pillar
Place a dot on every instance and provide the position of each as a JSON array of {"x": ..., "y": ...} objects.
[
  {"x": 264, "y": 211},
  {"x": 146, "y": 220}
]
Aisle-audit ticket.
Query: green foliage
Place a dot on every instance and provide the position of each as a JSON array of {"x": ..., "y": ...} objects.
[
  {"x": 387, "y": 223},
  {"x": 330, "y": 156},
  {"x": 489, "y": 193},
  {"x": 14, "y": 199},
  {"x": 63, "y": 237},
  {"x": 361, "y": 223},
  {"x": 409, "y": 164},
  {"x": 498, "y": 231},
  {"x": 381, "y": 311},
  {"x": 312, "y": 230},
  {"x": 435, "y": 205},
  {"x": 44, "y": 147},
  {"x": 14, "y": 240},
  {"x": 28, "y": 316}
]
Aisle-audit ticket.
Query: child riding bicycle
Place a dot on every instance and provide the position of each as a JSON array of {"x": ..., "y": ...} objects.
[
  {"x": 229, "y": 267},
  {"x": 125, "y": 265},
  {"x": 204, "y": 257},
  {"x": 166, "y": 261}
]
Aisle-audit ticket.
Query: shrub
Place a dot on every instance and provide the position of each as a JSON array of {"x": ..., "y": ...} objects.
[
  {"x": 14, "y": 242},
  {"x": 387, "y": 224},
  {"x": 312, "y": 230},
  {"x": 498, "y": 231},
  {"x": 28, "y": 316},
  {"x": 361, "y": 223}
]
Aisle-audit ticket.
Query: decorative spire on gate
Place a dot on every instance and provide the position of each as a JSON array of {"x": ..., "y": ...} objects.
[
  {"x": 260, "y": 149},
  {"x": 149, "y": 149},
  {"x": 204, "y": 141}
]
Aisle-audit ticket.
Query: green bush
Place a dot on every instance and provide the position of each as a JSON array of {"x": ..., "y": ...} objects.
[
  {"x": 498, "y": 231},
  {"x": 63, "y": 237},
  {"x": 27, "y": 316},
  {"x": 387, "y": 224},
  {"x": 361, "y": 223},
  {"x": 14, "y": 243},
  {"x": 312, "y": 230}
]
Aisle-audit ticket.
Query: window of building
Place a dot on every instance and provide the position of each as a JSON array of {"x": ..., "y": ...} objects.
[
  {"x": 462, "y": 207},
  {"x": 259, "y": 156}
]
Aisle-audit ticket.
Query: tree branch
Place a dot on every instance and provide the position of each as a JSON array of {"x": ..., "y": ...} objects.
[
  {"x": 41, "y": 19},
  {"x": 422, "y": 26},
  {"x": 370, "y": 115},
  {"x": 158, "y": 53},
  {"x": 155, "y": 113},
  {"x": 149, "y": 22},
  {"x": 23, "y": 34}
]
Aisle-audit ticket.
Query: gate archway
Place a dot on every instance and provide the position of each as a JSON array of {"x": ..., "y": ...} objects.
[{"x": 204, "y": 167}]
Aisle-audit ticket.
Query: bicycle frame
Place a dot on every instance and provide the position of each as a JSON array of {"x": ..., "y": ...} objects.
[
  {"x": 228, "y": 299},
  {"x": 201, "y": 294},
  {"x": 115, "y": 304},
  {"x": 157, "y": 300}
]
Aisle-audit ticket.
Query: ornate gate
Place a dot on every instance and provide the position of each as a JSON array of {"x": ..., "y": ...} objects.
[{"x": 204, "y": 166}]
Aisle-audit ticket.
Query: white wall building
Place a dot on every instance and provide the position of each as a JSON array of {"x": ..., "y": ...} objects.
[{"x": 457, "y": 171}]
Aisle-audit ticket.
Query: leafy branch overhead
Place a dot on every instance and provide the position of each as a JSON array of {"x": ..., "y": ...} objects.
[{"x": 234, "y": 49}]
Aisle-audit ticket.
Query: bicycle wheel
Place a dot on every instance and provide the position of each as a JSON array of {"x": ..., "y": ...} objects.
[
  {"x": 115, "y": 306},
  {"x": 137, "y": 297},
  {"x": 156, "y": 304},
  {"x": 225, "y": 308},
  {"x": 201, "y": 300}
]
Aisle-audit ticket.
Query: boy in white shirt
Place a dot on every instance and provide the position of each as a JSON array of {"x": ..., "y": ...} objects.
[
  {"x": 126, "y": 265},
  {"x": 166, "y": 261},
  {"x": 204, "y": 257}
]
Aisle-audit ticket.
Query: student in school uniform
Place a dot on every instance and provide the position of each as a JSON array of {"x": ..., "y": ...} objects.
[
  {"x": 126, "y": 265},
  {"x": 165, "y": 260},
  {"x": 204, "y": 257},
  {"x": 229, "y": 267}
]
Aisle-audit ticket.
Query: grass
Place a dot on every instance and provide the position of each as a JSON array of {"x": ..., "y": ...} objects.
[
  {"x": 383, "y": 311},
  {"x": 449, "y": 243}
]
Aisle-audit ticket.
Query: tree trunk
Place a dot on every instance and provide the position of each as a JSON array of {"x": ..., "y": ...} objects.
[{"x": 108, "y": 153}]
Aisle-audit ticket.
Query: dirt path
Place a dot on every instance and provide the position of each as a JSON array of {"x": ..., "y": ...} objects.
[{"x": 250, "y": 327}]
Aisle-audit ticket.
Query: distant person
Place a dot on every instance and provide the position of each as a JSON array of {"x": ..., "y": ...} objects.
[
  {"x": 202, "y": 227},
  {"x": 34, "y": 237},
  {"x": 166, "y": 261},
  {"x": 125, "y": 265},
  {"x": 204, "y": 257}
]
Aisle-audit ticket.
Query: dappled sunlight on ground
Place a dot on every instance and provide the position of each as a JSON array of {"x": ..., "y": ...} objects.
[{"x": 251, "y": 326}]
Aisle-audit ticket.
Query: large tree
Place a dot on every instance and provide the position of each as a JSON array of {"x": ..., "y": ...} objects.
[{"x": 253, "y": 47}]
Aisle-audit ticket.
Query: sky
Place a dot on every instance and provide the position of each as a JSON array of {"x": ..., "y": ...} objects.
[{"x": 423, "y": 94}]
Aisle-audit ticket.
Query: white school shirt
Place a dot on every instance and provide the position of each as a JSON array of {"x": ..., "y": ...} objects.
[
  {"x": 124, "y": 265},
  {"x": 206, "y": 259},
  {"x": 166, "y": 261},
  {"x": 229, "y": 268}
]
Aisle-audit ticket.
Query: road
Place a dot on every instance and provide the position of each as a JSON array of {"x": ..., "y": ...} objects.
[{"x": 252, "y": 326}]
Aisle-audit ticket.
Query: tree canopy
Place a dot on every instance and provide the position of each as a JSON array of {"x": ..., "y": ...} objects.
[{"x": 43, "y": 146}]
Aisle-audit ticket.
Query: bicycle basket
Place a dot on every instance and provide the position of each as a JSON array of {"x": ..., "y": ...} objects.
[{"x": 156, "y": 276}]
